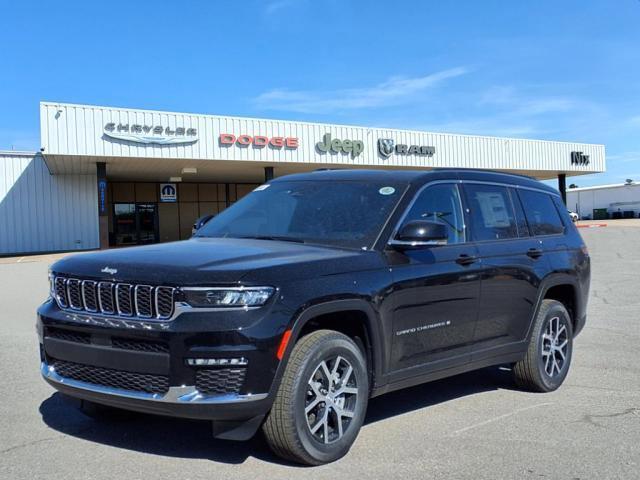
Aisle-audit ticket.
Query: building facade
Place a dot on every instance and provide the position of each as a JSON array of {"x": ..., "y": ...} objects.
[
  {"x": 605, "y": 201},
  {"x": 117, "y": 176}
]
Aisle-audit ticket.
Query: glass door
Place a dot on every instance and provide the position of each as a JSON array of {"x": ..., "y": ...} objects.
[
  {"x": 135, "y": 223},
  {"x": 124, "y": 219},
  {"x": 147, "y": 217}
]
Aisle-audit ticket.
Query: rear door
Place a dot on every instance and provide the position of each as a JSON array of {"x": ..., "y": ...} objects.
[{"x": 512, "y": 265}]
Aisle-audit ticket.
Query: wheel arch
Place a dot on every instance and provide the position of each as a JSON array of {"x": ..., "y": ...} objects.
[
  {"x": 353, "y": 311},
  {"x": 562, "y": 288}
]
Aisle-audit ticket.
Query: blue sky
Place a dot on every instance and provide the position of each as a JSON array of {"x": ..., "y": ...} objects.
[{"x": 566, "y": 70}]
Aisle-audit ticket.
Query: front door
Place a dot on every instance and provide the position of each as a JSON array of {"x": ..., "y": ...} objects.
[
  {"x": 436, "y": 290},
  {"x": 135, "y": 223}
]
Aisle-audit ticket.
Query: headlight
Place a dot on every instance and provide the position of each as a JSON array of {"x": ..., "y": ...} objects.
[{"x": 228, "y": 297}]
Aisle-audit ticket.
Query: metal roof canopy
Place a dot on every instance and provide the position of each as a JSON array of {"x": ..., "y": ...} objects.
[{"x": 75, "y": 137}]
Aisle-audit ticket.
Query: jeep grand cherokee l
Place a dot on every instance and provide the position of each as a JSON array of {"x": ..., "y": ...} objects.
[{"x": 316, "y": 292}]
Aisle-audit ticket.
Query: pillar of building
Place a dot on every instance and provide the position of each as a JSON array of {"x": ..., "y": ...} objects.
[
  {"x": 562, "y": 186},
  {"x": 103, "y": 213},
  {"x": 268, "y": 173}
]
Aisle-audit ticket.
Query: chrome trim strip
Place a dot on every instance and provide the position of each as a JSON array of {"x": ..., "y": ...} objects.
[
  {"x": 240, "y": 288},
  {"x": 180, "y": 395},
  {"x": 83, "y": 285}
]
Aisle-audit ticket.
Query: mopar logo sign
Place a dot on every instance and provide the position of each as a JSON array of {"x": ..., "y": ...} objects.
[{"x": 168, "y": 192}]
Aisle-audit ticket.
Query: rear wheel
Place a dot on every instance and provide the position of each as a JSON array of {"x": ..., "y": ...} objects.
[
  {"x": 546, "y": 364},
  {"x": 321, "y": 402}
]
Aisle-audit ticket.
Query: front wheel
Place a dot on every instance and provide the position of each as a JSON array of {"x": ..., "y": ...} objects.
[
  {"x": 547, "y": 361},
  {"x": 321, "y": 402}
]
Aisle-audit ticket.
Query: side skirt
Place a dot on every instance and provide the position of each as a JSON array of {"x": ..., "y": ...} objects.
[{"x": 428, "y": 374}]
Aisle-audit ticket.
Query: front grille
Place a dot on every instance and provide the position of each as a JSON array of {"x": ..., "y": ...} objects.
[
  {"x": 107, "y": 377},
  {"x": 68, "y": 335},
  {"x": 220, "y": 380},
  {"x": 139, "y": 345},
  {"x": 111, "y": 298}
]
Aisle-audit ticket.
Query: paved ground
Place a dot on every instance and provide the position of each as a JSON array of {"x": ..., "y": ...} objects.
[{"x": 474, "y": 426}]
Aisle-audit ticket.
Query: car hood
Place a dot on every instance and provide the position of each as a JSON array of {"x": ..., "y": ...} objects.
[{"x": 215, "y": 261}]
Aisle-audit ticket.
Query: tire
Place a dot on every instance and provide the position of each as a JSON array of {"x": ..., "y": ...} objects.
[
  {"x": 546, "y": 364},
  {"x": 288, "y": 429}
]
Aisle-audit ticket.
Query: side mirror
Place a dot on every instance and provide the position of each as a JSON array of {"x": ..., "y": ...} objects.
[
  {"x": 421, "y": 233},
  {"x": 200, "y": 223}
]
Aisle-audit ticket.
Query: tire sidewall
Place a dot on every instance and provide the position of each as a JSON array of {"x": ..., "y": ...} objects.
[
  {"x": 324, "y": 453},
  {"x": 555, "y": 310}
]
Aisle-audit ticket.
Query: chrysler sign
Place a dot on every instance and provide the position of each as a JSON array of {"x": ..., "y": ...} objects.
[
  {"x": 150, "y": 134},
  {"x": 387, "y": 146}
]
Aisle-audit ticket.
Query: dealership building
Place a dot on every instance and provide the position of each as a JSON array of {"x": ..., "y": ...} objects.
[{"x": 107, "y": 177}]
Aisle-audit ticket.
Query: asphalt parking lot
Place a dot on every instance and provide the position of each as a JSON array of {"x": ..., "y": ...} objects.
[{"x": 475, "y": 426}]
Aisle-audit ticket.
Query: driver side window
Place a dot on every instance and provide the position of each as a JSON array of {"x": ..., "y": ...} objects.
[{"x": 440, "y": 203}]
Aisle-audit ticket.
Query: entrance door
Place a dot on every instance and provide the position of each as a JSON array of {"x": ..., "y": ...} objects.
[
  {"x": 135, "y": 223},
  {"x": 146, "y": 216}
]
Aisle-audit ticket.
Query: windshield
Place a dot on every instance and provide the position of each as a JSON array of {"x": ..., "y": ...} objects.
[{"x": 345, "y": 214}]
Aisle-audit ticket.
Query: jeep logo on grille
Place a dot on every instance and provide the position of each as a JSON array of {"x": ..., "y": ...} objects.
[{"x": 109, "y": 270}]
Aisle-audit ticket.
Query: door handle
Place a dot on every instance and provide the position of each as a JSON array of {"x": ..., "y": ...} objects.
[
  {"x": 465, "y": 259},
  {"x": 534, "y": 252}
]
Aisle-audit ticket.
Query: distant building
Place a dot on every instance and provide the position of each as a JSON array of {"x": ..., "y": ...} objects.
[{"x": 616, "y": 199}]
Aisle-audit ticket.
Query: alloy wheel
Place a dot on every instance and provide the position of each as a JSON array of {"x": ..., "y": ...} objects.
[
  {"x": 331, "y": 399},
  {"x": 555, "y": 343}
]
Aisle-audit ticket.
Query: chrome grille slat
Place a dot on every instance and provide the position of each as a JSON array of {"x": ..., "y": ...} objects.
[
  {"x": 105, "y": 298},
  {"x": 60, "y": 286},
  {"x": 74, "y": 294},
  {"x": 89, "y": 296},
  {"x": 112, "y": 298},
  {"x": 164, "y": 301},
  {"x": 123, "y": 299},
  {"x": 143, "y": 295}
]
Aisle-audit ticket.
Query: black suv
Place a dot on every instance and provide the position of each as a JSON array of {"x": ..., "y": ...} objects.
[{"x": 317, "y": 291}]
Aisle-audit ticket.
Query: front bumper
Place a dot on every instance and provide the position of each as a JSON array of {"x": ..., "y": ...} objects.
[
  {"x": 182, "y": 401},
  {"x": 97, "y": 349}
]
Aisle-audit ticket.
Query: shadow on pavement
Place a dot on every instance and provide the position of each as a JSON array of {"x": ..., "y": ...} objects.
[{"x": 172, "y": 437}]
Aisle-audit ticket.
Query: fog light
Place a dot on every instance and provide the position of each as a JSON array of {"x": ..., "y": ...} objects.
[{"x": 216, "y": 362}]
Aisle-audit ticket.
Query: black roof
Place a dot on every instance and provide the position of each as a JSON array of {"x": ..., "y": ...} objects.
[{"x": 417, "y": 177}]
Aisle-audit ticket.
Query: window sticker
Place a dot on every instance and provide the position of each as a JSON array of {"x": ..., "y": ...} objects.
[
  {"x": 262, "y": 187},
  {"x": 387, "y": 191}
]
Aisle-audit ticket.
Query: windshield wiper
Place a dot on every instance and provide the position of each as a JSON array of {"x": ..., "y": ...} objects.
[{"x": 274, "y": 237}]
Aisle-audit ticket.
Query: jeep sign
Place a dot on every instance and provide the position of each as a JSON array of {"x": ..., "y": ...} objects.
[{"x": 354, "y": 147}]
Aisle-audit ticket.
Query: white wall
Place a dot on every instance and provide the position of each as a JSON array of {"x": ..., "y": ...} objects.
[
  {"x": 622, "y": 197},
  {"x": 40, "y": 212}
]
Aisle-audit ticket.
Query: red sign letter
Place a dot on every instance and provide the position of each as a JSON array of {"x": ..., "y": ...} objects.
[{"x": 227, "y": 139}]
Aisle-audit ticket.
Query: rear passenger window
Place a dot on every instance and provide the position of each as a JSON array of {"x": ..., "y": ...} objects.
[
  {"x": 491, "y": 212},
  {"x": 541, "y": 213}
]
